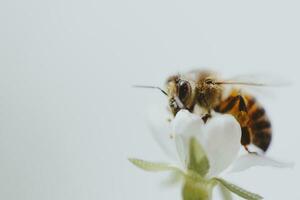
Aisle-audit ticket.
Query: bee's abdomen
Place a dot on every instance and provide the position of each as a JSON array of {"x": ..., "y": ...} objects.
[
  {"x": 258, "y": 121},
  {"x": 259, "y": 124}
]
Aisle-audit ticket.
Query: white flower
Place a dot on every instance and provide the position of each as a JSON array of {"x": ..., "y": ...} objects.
[
  {"x": 219, "y": 136},
  {"x": 204, "y": 150}
]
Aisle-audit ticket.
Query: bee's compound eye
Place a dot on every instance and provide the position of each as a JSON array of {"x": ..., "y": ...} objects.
[{"x": 184, "y": 90}]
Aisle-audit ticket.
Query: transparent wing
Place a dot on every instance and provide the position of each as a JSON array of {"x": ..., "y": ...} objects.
[
  {"x": 254, "y": 80},
  {"x": 256, "y": 84}
]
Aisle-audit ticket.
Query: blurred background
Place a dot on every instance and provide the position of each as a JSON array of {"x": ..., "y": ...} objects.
[{"x": 69, "y": 118}]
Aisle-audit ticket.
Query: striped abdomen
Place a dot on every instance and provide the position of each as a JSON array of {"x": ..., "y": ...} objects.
[{"x": 255, "y": 124}]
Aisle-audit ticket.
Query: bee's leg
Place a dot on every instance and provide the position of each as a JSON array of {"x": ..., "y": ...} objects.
[
  {"x": 242, "y": 103},
  {"x": 243, "y": 118},
  {"x": 241, "y": 114},
  {"x": 246, "y": 139},
  {"x": 251, "y": 152},
  {"x": 206, "y": 116}
]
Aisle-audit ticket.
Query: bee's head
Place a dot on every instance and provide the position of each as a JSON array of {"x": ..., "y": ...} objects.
[{"x": 181, "y": 94}]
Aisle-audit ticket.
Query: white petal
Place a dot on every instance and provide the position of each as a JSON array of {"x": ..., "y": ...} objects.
[
  {"x": 187, "y": 124},
  {"x": 182, "y": 152},
  {"x": 221, "y": 141},
  {"x": 250, "y": 160},
  {"x": 220, "y": 137},
  {"x": 159, "y": 122}
]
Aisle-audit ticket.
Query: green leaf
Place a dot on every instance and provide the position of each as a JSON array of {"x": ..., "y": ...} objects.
[
  {"x": 198, "y": 161},
  {"x": 153, "y": 166},
  {"x": 239, "y": 191}
]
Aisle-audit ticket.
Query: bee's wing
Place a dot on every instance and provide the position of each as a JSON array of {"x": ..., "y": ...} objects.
[
  {"x": 257, "y": 80},
  {"x": 256, "y": 84}
]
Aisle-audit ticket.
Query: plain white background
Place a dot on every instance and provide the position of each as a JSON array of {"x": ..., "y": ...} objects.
[{"x": 69, "y": 117}]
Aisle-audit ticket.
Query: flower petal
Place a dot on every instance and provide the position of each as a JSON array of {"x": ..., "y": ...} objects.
[
  {"x": 220, "y": 137},
  {"x": 187, "y": 124},
  {"x": 181, "y": 150},
  {"x": 221, "y": 141},
  {"x": 159, "y": 122},
  {"x": 250, "y": 160}
]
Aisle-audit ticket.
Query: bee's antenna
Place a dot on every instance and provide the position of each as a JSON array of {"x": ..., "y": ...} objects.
[{"x": 151, "y": 87}]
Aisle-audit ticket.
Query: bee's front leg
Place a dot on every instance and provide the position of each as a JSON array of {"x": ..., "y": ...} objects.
[{"x": 206, "y": 116}]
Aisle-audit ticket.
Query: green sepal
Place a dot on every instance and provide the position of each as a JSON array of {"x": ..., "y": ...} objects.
[
  {"x": 238, "y": 190},
  {"x": 226, "y": 194},
  {"x": 198, "y": 160},
  {"x": 154, "y": 166}
]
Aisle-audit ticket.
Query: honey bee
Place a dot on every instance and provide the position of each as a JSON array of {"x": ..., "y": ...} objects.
[{"x": 205, "y": 90}]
